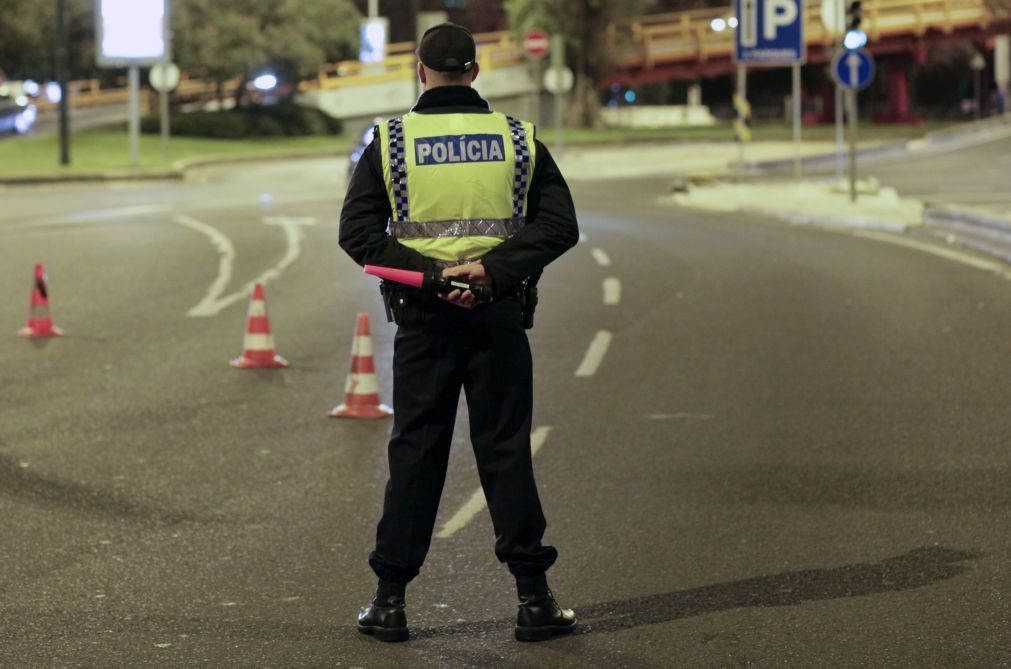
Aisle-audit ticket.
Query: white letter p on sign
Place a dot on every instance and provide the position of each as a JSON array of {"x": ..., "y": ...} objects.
[{"x": 777, "y": 13}]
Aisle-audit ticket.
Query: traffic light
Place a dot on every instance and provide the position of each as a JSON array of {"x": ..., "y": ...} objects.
[
  {"x": 855, "y": 37},
  {"x": 853, "y": 17}
]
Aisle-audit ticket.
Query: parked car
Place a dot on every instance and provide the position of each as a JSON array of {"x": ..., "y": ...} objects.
[
  {"x": 364, "y": 139},
  {"x": 17, "y": 114}
]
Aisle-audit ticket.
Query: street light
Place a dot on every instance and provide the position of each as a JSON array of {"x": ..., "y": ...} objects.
[{"x": 265, "y": 82}]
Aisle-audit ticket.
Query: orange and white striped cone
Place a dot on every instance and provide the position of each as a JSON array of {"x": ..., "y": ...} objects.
[
  {"x": 258, "y": 346},
  {"x": 361, "y": 392},
  {"x": 40, "y": 323}
]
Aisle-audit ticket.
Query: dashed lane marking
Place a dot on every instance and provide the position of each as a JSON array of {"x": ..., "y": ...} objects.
[
  {"x": 477, "y": 501},
  {"x": 594, "y": 354},
  {"x": 602, "y": 258},
  {"x": 612, "y": 291}
]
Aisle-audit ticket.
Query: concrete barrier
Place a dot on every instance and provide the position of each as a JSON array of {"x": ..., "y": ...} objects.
[
  {"x": 386, "y": 98},
  {"x": 649, "y": 116}
]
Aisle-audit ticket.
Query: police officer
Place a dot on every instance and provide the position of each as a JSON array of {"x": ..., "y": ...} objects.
[{"x": 456, "y": 188}]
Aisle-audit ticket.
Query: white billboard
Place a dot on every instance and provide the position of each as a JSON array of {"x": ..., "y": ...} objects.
[
  {"x": 131, "y": 32},
  {"x": 374, "y": 38}
]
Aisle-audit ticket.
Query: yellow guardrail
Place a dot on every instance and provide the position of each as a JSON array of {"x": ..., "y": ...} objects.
[
  {"x": 644, "y": 40},
  {"x": 495, "y": 49}
]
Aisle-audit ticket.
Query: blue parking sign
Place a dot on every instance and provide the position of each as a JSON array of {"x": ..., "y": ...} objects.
[{"x": 770, "y": 32}]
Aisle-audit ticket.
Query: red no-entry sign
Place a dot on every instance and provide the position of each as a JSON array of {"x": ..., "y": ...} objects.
[{"x": 536, "y": 43}]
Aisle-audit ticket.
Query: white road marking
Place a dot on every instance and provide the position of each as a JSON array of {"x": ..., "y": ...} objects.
[
  {"x": 582, "y": 237},
  {"x": 227, "y": 252},
  {"x": 594, "y": 354},
  {"x": 679, "y": 416},
  {"x": 612, "y": 291},
  {"x": 477, "y": 501},
  {"x": 119, "y": 212},
  {"x": 601, "y": 257},
  {"x": 213, "y": 303},
  {"x": 100, "y": 215},
  {"x": 986, "y": 265}
]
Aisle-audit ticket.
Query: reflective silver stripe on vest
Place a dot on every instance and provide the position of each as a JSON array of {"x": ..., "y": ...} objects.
[
  {"x": 521, "y": 175},
  {"x": 467, "y": 227},
  {"x": 398, "y": 168}
]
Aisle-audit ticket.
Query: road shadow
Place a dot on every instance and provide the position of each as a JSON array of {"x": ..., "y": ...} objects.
[
  {"x": 21, "y": 483},
  {"x": 916, "y": 569}
]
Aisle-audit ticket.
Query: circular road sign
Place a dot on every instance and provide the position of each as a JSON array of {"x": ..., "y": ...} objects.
[
  {"x": 163, "y": 78},
  {"x": 853, "y": 69},
  {"x": 536, "y": 43},
  {"x": 832, "y": 16},
  {"x": 558, "y": 79}
]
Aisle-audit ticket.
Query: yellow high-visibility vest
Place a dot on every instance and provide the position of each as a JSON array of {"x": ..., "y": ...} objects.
[{"x": 457, "y": 183}]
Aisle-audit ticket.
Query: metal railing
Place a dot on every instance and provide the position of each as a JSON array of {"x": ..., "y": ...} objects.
[{"x": 494, "y": 50}]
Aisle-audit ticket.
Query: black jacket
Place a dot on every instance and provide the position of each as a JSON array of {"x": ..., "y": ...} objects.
[{"x": 550, "y": 228}]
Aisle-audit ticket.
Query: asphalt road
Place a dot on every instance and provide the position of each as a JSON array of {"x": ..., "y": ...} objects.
[{"x": 787, "y": 447}]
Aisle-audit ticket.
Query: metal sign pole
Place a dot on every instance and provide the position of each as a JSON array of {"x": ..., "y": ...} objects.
[
  {"x": 797, "y": 111},
  {"x": 742, "y": 94},
  {"x": 840, "y": 22},
  {"x": 134, "y": 82},
  {"x": 538, "y": 82},
  {"x": 163, "y": 111},
  {"x": 839, "y": 142},
  {"x": 558, "y": 63},
  {"x": 415, "y": 11},
  {"x": 163, "y": 101},
  {"x": 62, "y": 78},
  {"x": 851, "y": 99}
]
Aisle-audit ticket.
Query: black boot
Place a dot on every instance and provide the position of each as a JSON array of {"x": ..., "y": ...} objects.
[
  {"x": 384, "y": 618},
  {"x": 539, "y": 616}
]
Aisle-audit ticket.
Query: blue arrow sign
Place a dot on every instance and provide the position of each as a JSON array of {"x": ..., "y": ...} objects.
[
  {"x": 853, "y": 69},
  {"x": 770, "y": 32}
]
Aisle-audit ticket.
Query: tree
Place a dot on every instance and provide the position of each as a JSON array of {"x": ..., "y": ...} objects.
[
  {"x": 224, "y": 39},
  {"x": 584, "y": 23},
  {"x": 28, "y": 34}
]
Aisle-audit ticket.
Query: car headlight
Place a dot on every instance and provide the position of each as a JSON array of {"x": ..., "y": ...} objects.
[{"x": 24, "y": 121}]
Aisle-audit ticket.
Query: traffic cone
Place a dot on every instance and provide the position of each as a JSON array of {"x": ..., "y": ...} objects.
[
  {"x": 361, "y": 392},
  {"x": 40, "y": 324},
  {"x": 258, "y": 346}
]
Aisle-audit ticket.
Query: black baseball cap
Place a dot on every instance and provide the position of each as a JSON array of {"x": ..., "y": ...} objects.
[{"x": 447, "y": 47}]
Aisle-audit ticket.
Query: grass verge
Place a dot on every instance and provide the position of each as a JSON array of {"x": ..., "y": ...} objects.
[{"x": 108, "y": 150}]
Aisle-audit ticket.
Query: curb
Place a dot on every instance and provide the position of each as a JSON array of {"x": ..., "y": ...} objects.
[
  {"x": 830, "y": 221},
  {"x": 980, "y": 231},
  {"x": 90, "y": 177},
  {"x": 183, "y": 165},
  {"x": 997, "y": 224},
  {"x": 177, "y": 172},
  {"x": 939, "y": 138}
]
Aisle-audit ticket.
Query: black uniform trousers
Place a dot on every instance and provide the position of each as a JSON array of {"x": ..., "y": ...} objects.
[{"x": 440, "y": 348}]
